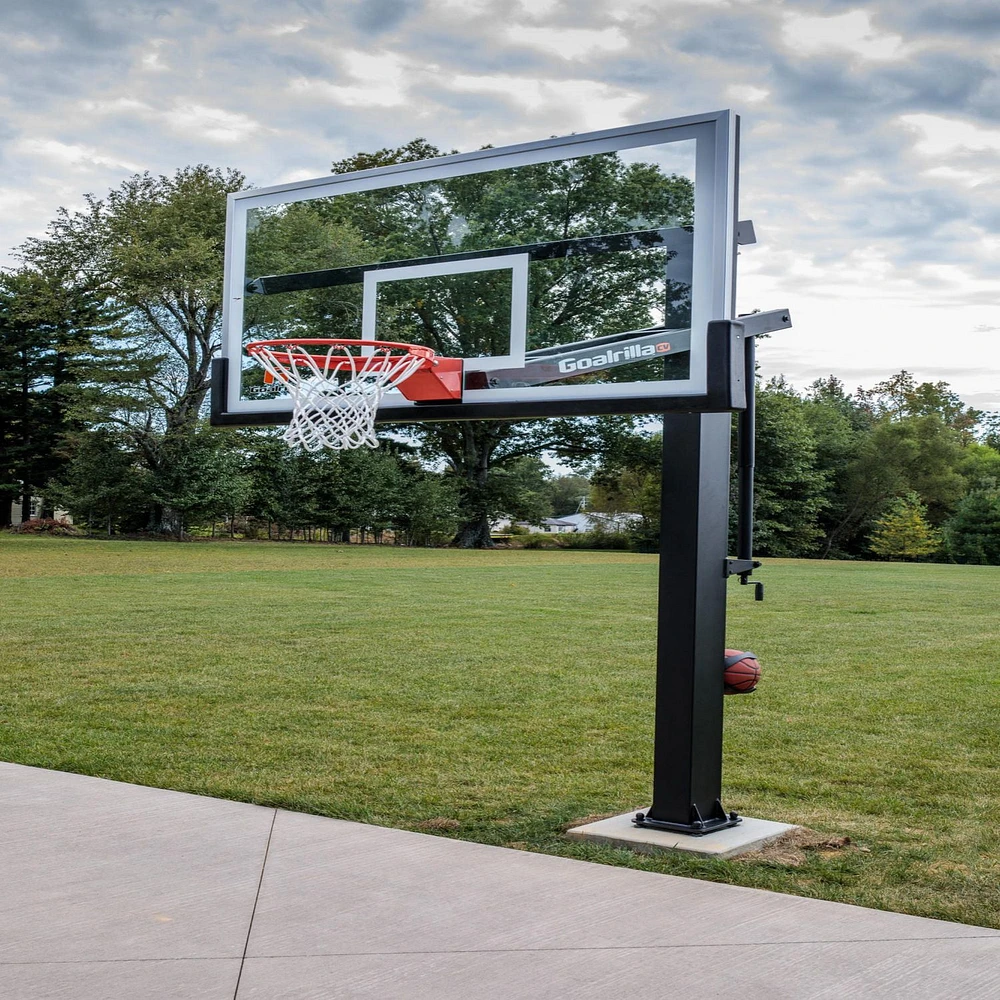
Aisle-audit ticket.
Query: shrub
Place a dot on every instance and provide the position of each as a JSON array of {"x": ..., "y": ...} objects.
[
  {"x": 46, "y": 526},
  {"x": 597, "y": 540},
  {"x": 536, "y": 540}
]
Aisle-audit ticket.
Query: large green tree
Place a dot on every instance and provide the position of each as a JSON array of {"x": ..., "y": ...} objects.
[
  {"x": 153, "y": 250},
  {"x": 569, "y": 299},
  {"x": 789, "y": 492},
  {"x": 882, "y": 443},
  {"x": 901, "y": 396}
]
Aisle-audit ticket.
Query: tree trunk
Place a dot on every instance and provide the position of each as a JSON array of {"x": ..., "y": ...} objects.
[
  {"x": 473, "y": 464},
  {"x": 474, "y": 534},
  {"x": 7, "y": 501}
]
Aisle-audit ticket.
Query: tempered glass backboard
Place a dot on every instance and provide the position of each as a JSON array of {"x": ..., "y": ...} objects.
[{"x": 573, "y": 275}]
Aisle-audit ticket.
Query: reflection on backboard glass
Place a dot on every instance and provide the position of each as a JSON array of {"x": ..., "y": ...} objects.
[
  {"x": 459, "y": 315},
  {"x": 515, "y": 270}
]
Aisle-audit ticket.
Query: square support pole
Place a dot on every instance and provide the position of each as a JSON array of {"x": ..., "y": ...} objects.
[{"x": 694, "y": 530}]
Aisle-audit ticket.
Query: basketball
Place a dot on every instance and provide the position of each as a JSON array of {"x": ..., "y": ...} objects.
[{"x": 742, "y": 671}]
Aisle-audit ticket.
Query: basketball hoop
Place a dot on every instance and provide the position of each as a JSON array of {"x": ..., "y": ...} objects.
[{"x": 336, "y": 393}]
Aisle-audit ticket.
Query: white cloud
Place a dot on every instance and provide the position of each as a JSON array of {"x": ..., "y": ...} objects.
[
  {"x": 953, "y": 175},
  {"x": 539, "y": 8},
  {"x": 568, "y": 43},
  {"x": 151, "y": 59},
  {"x": 585, "y": 104},
  {"x": 13, "y": 199},
  {"x": 463, "y": 9},
  {"x": 114, "y": 106},
  {"x": 297, "y": 174},
  {"x": 866, "y": 177},
  {"x": 851, "y": 32},
  {"x": 27, "y": 43},
  {"x": 62, "y": 154},
  {"x": 941, "y": 136},
  {"x": 215, "y": 124},
  {"x": 277, "y": 30},
  {"x": 745, "y": 93},
  {"x": 381, "y": 81}
]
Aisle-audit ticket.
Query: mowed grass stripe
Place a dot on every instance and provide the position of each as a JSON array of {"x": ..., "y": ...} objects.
[
  {"x": 511, "y": 692},
  {"x": 27, "y": 556}
]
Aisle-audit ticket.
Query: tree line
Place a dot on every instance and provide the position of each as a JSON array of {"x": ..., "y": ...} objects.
[
  {"x": 902, "y": 470},
  {"x": 108, "y": 328}
]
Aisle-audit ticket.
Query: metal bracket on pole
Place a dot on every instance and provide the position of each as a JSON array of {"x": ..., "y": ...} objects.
[
  {"x": 758, "y": 323},
  {"x": 741, "y": 567},
  {"x": 745, "y": 235}
]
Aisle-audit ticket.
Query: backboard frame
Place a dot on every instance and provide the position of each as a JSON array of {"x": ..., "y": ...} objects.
[{"x": 713, "y": 281}]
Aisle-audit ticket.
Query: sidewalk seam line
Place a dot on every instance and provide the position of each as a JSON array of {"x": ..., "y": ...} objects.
[
  {"x": 256, "y": 899},
  {"x": 507, "y": 951},
  {"x": 628, "y": 947}
]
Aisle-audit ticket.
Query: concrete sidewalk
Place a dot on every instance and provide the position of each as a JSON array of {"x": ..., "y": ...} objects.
[{"x": 113, "y": 891}]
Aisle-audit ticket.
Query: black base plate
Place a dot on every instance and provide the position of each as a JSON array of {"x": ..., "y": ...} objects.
[{"x": 696, "y": 828}]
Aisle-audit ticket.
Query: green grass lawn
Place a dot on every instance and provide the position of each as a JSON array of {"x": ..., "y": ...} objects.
[{"x": 499, "y": 696}]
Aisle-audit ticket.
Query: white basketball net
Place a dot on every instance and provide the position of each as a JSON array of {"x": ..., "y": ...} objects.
[{"x": 334, "y": 396}]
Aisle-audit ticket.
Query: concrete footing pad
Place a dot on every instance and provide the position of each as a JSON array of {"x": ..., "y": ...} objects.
[{"x": 619, "y": 831}]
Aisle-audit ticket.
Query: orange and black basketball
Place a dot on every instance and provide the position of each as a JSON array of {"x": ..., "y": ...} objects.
[{"x": 742, "y": 671}]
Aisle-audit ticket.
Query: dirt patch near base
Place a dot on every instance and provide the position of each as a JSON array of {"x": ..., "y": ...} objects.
[
  {"x": 584, "y": 820},
  {"x": 438, "y": 823},
  {"x": 793, "y": 848}
]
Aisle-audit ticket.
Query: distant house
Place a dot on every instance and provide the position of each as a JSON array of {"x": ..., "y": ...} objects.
[
  {"x": 15, "y": 510},
  {"x": 593, "y": 520},
  {"x": 589, "y": 521},
  {"x": 556, "y": 525},
  {"x": 36, "y": 511}
]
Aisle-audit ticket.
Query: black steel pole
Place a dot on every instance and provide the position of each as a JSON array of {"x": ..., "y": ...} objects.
[{"x": 694, "y": 519}]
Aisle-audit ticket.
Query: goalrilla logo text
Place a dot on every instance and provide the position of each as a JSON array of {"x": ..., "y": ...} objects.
[{"x": 611, "y": 357}]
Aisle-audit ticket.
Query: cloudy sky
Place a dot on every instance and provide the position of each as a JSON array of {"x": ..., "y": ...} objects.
[{"x": 871, "y": 132}]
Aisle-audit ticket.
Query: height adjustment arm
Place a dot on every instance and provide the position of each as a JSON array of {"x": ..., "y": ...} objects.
[{"x": 754, "y": 325}]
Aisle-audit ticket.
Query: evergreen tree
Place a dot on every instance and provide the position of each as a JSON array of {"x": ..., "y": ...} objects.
[
  {"x": 102, "y": 485},
  {"x": 903, "y": 531},
  {"x": 989, "y": 430},
  {"x": 47, "y": 330},
  {"x": 972, "y": 533}
]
